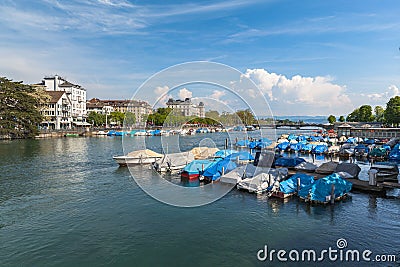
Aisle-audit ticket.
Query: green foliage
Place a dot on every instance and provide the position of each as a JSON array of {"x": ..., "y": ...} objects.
[
  {"x": 331, "y": 119},
  {"x": 342, "y": 119},
  {"x": 379, "y": 114},
  {"x": 246, "y": 116},
  {"x": 361, "y": 114},
  {"x": 212, "y": 114},
  {"x": 19, "y": 109},
  {"x": 392, "y": 112},
  {"x": 96, "y": 119},
  {"x": 158, "y": 118},
  {"x": 130, "y": 119},
  {"x": 117, "y": 117}
]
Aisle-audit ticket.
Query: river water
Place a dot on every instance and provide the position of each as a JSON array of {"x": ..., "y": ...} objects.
[{"x": 65, "y": 202}]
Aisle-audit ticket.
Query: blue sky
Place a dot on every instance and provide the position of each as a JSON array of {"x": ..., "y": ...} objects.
[{"x": 307, "y": 57}]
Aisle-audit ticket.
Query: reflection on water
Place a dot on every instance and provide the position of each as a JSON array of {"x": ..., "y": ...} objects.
[{"x": 66, "y": 202}]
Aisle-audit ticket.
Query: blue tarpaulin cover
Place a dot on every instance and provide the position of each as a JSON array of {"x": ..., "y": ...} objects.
[
  {"x": 288, "y": 162},
  {"x": 242, "y": 143},
  {"x": 319, "y": 149},
  {"x": 214, "y": 171},
  {"x": 296, "y": 147},
  {"x": 242, "y": 155},
  {"x": 196, "y": 166},
  {"x": 289, "y": 186},
  {"x": 395, "y": 153},
  {"x": 283, "y": 146},
  {"x": 224, "y": 153},
  {"x": 321, "y": 189}
]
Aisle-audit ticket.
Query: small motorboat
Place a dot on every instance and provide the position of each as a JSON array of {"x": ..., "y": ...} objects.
[
  {"x": 138, "y": 157},
  {"x": 324, "y": 189},
  {"x": 173, "y": 162}
]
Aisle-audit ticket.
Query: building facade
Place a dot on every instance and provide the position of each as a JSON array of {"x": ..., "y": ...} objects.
[
  {"x": 76, "y": 94},
  {"x": 186, "y": 107},
  {"x": 140, "y": 109},
  {"x": 57, "y": 112}
]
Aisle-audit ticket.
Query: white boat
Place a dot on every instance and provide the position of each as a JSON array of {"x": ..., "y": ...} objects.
[
  {"x": 101, "y": 133},
  {"x": 138, "y": 157},
  {"x": 173, "y": 162},
  {"x": 140, "y": 133}
]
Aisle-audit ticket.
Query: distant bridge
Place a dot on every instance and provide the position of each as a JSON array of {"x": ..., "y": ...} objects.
[{"x": 296, "y": 125}]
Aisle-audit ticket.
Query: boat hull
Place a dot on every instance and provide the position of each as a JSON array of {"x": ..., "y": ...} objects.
[{"x": 124, "y": 160}]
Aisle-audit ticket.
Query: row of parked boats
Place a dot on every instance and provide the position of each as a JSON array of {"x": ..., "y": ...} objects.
[
  {"x": 320, "y": 145},
  {"x": 266, "y": 172},
  {"x": 159, "y": 132}
]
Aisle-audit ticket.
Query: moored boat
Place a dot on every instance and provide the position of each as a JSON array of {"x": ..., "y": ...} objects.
[
  {"x": 173, "y": 162},
  {"x": 196, "y": 168},
  {"x": 145, "y": 156}
]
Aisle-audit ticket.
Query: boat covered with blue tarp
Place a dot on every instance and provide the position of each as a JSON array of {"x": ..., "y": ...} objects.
[
  {"x": 288, "y": 162},
  {"x": 242, "y": 143},
  {"x": 282, "y": 146},
  {"x": 196, "y": 168},
  {"x": 319, "y": 149},
  {"x": 296, "y": 147},
  {"x": 395, "y": 153},
  {"x": 215, "y": 170},
  {"x": 320, "y": 190},
  {"x": 241, "y": 156},
  {"x": 224, "y": 153},
  {"x": 291, "y": 185}
]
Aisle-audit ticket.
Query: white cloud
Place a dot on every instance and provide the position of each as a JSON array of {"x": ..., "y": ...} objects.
[
  {"x": 185, "y": 93},
  {"x": 162, "y": 95},
  {"x": 392, "y": 91},
  {"x": 305, "y": 95},
  {"x": 376, "y": 99},
  {"x": 217, "y": 94}
]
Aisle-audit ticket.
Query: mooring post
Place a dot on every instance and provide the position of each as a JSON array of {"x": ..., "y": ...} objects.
[
  {"x": 298, "y": 184},
  {"x": 333, "y": 194},
  {"x": 223, "y": 171}
]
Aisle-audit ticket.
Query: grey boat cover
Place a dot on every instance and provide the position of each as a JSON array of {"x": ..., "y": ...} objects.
[
  {"x": 327, "y": 167},
  {"x": 264, "y": 159},
  {"x": 242, "y": 172},
  {"x": 250, "y": 171},
  {"x": 174, "y": 160},
  {"x": 345, "y": 175},
  {"x": 351, "y": 168},
  {"x": 261, "y": 181},
  {"x": 306, "y": 166}
]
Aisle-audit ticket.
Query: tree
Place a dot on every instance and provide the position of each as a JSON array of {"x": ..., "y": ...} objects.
[
  {"x": 361, "y": 114},
  {"x": 212, "y": 114},
  {"x": 246, "y": 116},
  {"x": 117, "y": 117},
  {"x": 331, "y": 119},
  {"x": 366, "y": 113},
  {"x": 19, "y": 109},
  {"x": 96, "y": 118},
  {"x": 130, "y": 119},
  {"x": 379, "y": 114},
  {"x": 354, "y": 116},
  {"x": 342, "y": 118},
  {"x": 392, "y": 112}
]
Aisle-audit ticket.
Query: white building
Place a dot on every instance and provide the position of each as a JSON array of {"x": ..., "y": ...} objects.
[
  {"x": 57, "y": 112},
  {"x": 186, "y": 107},
  {"x": 75, "y": 93}
]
